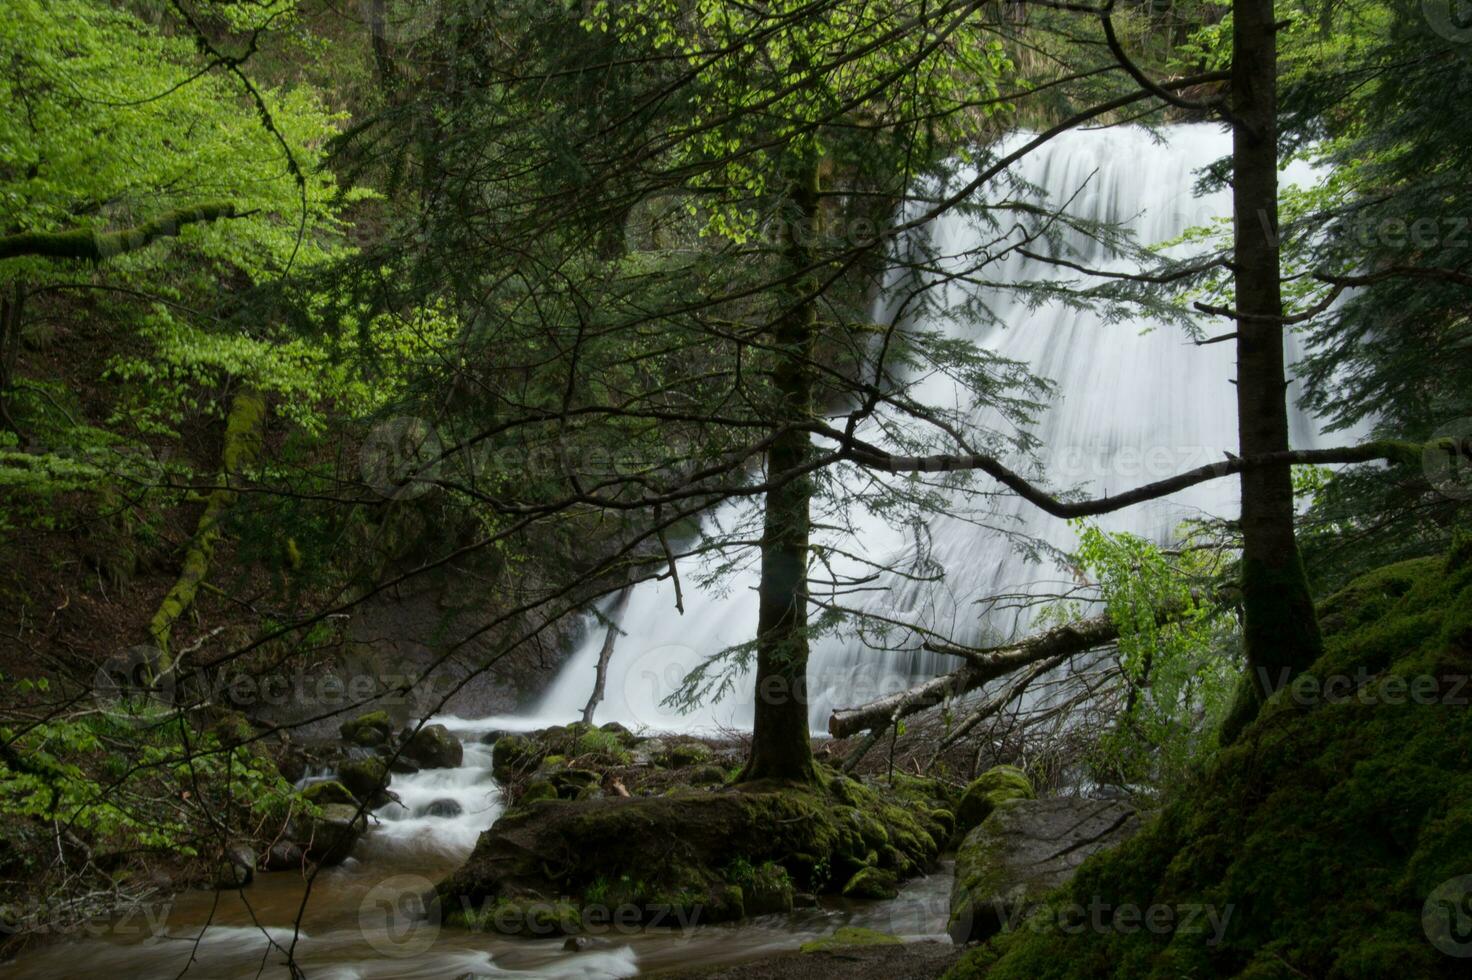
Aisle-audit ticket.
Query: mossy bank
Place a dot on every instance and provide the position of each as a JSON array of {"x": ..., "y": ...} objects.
[{"x": 1328, "y": 840}]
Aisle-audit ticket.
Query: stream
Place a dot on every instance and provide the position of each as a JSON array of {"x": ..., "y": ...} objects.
[
  {"x": 359, "y": 921},
  {"x": 1136, "y": 401}
]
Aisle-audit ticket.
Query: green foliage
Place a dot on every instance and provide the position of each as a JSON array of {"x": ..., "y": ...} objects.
[
  {"x": 1261, "y": 836},
  {"x": 1178, "y": 673},
  {"x": 117, "y": 778}
]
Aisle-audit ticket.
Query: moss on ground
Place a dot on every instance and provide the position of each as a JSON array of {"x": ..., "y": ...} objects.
[
  {"x": 1317, "y": 837},
  {"x": 850, "y": 936}
]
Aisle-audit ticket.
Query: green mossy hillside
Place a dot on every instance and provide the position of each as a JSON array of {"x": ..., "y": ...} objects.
[{"x": 1317, "y": 838}]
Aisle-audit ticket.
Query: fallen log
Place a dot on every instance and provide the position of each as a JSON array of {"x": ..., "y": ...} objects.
[{"x": 1070, "y": 638}]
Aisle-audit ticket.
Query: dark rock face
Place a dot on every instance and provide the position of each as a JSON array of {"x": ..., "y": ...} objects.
[
  {"x": 433, "y": 747},
  {"x": 1023, "y": 850}
]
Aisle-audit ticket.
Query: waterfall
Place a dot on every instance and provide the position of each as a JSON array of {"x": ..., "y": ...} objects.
[{"x": 1134, "y": 402}]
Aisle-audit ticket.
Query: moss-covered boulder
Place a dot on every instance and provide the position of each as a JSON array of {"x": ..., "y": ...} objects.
[
  {"x": 1022, "y": 851},
  {"x": 328, "y": 791},
  {"x": 1328, "y": 840},
  {"x": 433, "y": 747},
  {"x": 871, "y": 883},
  {"x": 366, "y": 778},
  {"x": 694, "y": 856},
  {"x": 987, "y": 792},
  {"x": 514, "y": 755},
  {"x": 329, "y": 835},
  {"x": 368, "y": 730}
]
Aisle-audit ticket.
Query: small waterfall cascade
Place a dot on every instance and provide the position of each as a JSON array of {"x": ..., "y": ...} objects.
[{"x": 1133, "y": 402}]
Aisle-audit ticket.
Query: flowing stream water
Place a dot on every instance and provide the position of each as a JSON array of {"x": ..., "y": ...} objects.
[{"x": 1133, "y": 404}]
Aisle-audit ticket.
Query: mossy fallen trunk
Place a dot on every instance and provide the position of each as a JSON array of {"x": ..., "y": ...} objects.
[{"x": 243, "y": 430}]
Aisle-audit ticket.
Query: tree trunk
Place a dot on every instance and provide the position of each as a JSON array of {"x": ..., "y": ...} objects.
[
  {"x": 600, "y": 672},
  {"x": 1281, "y": 632},
  {"x": 779, "y": 740},
  {"x": 243, "y": 432}
]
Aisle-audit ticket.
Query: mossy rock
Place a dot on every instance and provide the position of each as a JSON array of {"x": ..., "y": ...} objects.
[
  {"x": 368, "y": 730},
  {"x": 706, "y": 776},
  {"x": 574, "y": 784},
  {"x": 329, "y": 791},
  {"x": 434, "y": 747},
  {"x": 365, "y": 778},
  {"x": 1325, "y": 828},
  {"x": 988, "y": 791},
  {"x": 688, "y": 754},
  {"x": 537, "y": 789},
  {"x": 513, "y": 755},
  {"x": 328, "y": 837},
  {"x": 850, "y": 936},
  {"x": 872, "y": 883}
]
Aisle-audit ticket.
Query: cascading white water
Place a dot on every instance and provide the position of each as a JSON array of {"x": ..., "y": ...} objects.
[{"x": 1134, "y": 402}]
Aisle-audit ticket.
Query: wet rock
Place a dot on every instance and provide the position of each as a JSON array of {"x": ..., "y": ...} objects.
[
  {"x": 368, "y": 730},
  {"x": 367, "y": 779},
  {"x": 804, "y": 900},
  {"x": 237, "y": 868},
  {"x": 283, "y": 855},
  {"x": 581, "y": 944},
  {"x": 988, "y": 791},
  {"x": 1023, "y": 850},
  {"x": 330, "y": 837},
  {"x": 872, "y": 883},
  {"x": 443, "y": 808},
  {"x": 433, "y": 747},
  {"x": 329, "y": 791}
]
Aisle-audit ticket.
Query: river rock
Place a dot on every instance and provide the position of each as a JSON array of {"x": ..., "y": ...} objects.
[
  {"x": 237, "y": 867},
  {"x": 328, "y": 838},
  {"x": 368, "y": 730},
  {"x": 433, "y": 747},
  {"x": 366, "y": 778},
  {"x": 987, "y": 792},
  {"x": 329, "y": 791},
  {"x": 443, "y": 808},
  {"x": 284, "y": 855},
  {"x": 1023, "y": 850},
  {"x": 871, "y": 883}
]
